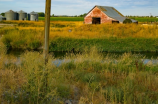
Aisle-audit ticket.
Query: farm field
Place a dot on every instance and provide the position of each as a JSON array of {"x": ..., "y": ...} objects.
[
  {"x": 145, "y": 19},
  {"x": 82, "y": 78},
  {"x": 64, "y": 18},
  {"x": 139, "y": 19}
]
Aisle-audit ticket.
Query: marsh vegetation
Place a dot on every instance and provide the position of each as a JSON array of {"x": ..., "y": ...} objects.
[
  {"x": 84, "y": 78},
  {"x": 65, "y": 36}
]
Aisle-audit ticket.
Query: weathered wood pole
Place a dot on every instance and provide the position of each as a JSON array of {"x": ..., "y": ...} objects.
[{"x": 47, "y": 29}]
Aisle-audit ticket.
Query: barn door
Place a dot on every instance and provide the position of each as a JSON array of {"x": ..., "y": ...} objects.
[{"x": 96, "y": 20}]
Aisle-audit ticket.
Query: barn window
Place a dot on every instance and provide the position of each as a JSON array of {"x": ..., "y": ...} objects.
[{"x": 96, "y": 20}]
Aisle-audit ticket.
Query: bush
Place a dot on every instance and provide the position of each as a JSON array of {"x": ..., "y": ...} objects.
[{"x": 127, "y": 21}]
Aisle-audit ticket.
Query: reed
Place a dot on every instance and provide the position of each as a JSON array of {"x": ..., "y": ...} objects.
[
  {"x": 2, "y": 54},
  {"x": 84, "y": 78}
]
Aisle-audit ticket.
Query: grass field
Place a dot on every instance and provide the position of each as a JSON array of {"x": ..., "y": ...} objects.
[
  {"x": 64, "y": 18},
  {"x": 145, "y": 19},
  {"x": 139, "y": 19},
  {"x": 68, "y": 35},
  {"x": 109, "y": 45},
  {"x": 87, "y": 77}
]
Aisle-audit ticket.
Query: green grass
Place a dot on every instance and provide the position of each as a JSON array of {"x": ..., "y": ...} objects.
[
  {"x": 110, "y": 45},
  {"x": 145, "y": 19},
  {"x": 63, "y": 18},
  {"x": 24, "y": 40},
  {"x": 139, "y": 19}
]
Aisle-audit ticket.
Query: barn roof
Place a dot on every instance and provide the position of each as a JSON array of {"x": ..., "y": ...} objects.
[{"x": 112, "y": 12}]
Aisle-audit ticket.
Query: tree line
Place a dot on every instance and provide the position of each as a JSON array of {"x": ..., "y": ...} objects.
[{"x": 42, "y": 14}]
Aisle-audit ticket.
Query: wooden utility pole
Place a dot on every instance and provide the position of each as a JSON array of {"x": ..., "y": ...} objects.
[
  {"x": 47, "y": 29},
  {"x": 46, "y": 42}
]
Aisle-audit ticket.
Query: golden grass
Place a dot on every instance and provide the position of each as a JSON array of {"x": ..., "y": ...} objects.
[
  {"x": 79, "y": 30},
  {"x": 2, "y": 54},
  {"x": 106, "y": 31}
]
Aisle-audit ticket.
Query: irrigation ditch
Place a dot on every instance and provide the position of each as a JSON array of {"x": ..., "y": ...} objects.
[{"x": 147, "y": 57}]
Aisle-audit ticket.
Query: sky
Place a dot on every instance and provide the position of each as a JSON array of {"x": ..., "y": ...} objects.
[{"x": 77, "y": 7}]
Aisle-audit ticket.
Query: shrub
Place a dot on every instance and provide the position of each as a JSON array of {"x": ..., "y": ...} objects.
[{"x": 127, "y": 21}]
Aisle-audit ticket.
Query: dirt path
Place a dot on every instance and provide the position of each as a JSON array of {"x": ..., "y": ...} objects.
[{"x": 3, "y": 25}]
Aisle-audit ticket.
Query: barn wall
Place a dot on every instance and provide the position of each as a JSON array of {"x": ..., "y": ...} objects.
[{"x": 96, "y": 12}]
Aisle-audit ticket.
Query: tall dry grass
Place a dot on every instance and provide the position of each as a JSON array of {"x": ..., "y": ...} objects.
[
  {"x": 84, "y": 78},
  {"x": 79, "y": 30},
  {"x": 30, "y": 35},
  {"x": 2, "y": 54},
  {"x": 10, "y": 76}
]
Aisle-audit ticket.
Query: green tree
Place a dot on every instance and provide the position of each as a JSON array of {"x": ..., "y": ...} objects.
[
  {"x": 3, "y": 14},
  {"x": 52, "y": 15},
  {"x": 127, "y": 21},
  {"x": 41, "y": 14},
  {"x": 83, "y": 15}
]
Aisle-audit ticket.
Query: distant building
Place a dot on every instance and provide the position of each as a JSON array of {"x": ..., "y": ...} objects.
[
  {"x": 28, "y": 17},
  {"x": 22, "y": 15},
  {"x": 11, "y": 15},
  {"x": 104, "y": 14},
  {"x": 33, "y": 16}
]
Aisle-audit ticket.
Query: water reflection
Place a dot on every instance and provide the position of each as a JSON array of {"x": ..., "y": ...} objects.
[
  {"x": 18, "y": 52},
  {"x": 149, "y": 61},
  {"x": 150, "y": 57},
  {"x": 61, "y": 54},
  {"x": 15, "y": 52}
]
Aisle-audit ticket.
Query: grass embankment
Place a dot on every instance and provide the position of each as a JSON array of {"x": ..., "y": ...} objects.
[
  {"x": 67, "y": 36},
  {"x": 109, "y": 45},
  {"x": 86, "y": 78},
  {"x": 63, "y": 18}
]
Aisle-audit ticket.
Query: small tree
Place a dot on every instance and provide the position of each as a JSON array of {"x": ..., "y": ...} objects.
[
  {"x": 151, "y": 16},
  {"x": 127, "y": 21},
  {"x": 3, "y": 14},
  {"x": 41, "y": 14},
  {"x": 52, "y": 15}
]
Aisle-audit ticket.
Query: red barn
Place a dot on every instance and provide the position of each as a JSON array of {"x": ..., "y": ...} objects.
[{"x": 104, "y": 14}]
